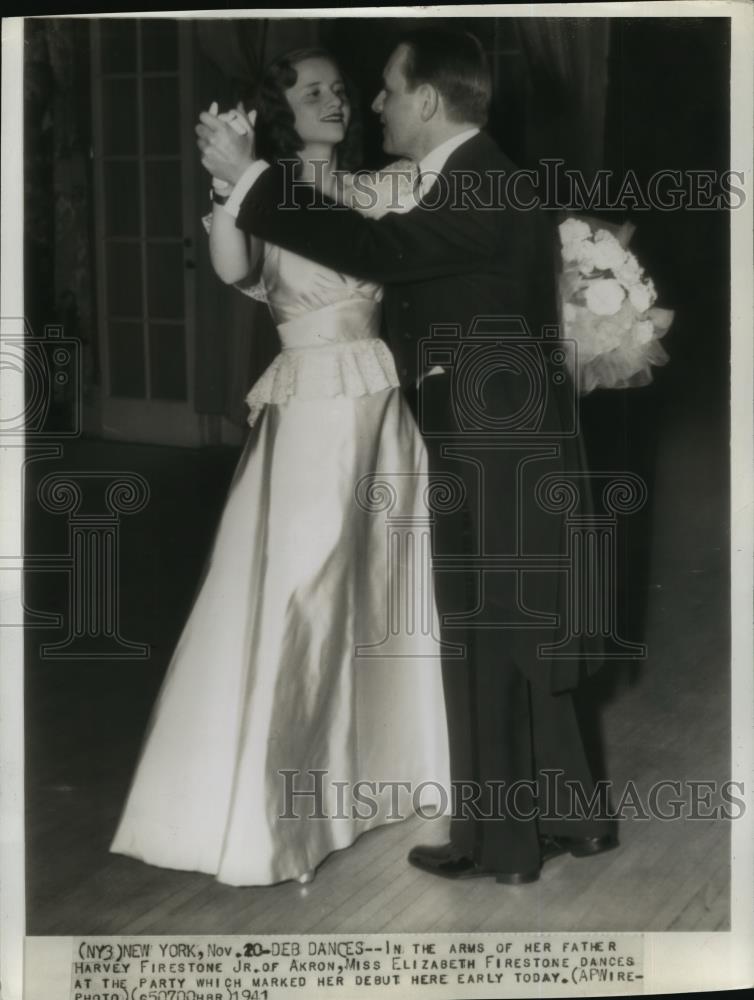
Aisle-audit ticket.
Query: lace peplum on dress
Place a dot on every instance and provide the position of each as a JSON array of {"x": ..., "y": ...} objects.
[{"x": 266, "y": 704}]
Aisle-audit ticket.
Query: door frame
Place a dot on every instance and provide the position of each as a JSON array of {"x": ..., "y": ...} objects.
[{"x": 151, "y": 421}]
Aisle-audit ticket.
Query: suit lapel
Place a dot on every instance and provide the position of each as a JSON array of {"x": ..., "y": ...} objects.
[{"x": 477, "y": 150}]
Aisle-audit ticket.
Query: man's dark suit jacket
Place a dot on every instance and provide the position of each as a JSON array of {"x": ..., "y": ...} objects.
[
  {"x": 448, "y": 265},
  {"x": 439, "y": 265}
]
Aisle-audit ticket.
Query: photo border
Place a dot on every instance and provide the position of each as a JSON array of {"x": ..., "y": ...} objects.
[{"x": 674, "y": 961}]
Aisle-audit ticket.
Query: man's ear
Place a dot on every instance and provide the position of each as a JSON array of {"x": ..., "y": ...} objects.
[{"x": 429, "y": 101}]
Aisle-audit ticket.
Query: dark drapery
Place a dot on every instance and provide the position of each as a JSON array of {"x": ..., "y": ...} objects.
[
  {"x": 58, "y": 187},
  {"x": 565, "y": 67}
]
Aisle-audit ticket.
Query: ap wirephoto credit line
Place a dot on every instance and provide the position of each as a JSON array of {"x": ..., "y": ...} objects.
[{"x": 377, "y": 452}]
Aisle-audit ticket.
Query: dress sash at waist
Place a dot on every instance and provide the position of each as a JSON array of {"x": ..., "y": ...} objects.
[
  {"x": 347, "y": 320},
  {"x": 333, "y": 351}
]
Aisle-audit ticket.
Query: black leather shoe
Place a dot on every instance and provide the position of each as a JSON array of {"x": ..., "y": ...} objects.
[
  {"x": 443, "y": 860},
  {"x": 448, "y": 863},
  {"x": 577, "y": 847},
  {"x": 518, "y": 878}
]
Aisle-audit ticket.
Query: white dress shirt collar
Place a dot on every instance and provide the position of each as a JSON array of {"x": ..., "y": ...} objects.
[{"x": 434, "y": 161}]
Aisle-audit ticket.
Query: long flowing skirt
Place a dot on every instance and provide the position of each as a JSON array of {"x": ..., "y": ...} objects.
[{"x": 281, "y": 696}]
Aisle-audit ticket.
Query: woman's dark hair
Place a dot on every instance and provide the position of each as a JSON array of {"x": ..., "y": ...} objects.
[
  {"x": 276, "y": 136},
  {"x": 455, "y": 64}
]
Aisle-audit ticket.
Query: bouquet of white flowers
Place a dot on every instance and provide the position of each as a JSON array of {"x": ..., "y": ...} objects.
[{"x": 608, "y": 307}]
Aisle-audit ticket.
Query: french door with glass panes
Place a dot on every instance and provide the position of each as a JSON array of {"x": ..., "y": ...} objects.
[{"x": 145, "y": 228}]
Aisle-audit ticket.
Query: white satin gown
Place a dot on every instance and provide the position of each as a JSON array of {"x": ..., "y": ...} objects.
[{"x": 322, "y": 548}]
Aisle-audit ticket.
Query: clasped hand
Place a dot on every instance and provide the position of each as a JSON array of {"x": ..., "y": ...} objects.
[{"x": 226, "y": 142}]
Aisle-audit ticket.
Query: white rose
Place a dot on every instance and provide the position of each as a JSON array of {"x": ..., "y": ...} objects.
[
  {"x": 608, "y": 254},
  {"x": 604, "y": 296},
  {"x": 639, "y": 297},
  {"x": 570, "y": 253},
  {"x": 576, "y": 253},
  {"x": 629, "y": 272},
  {"x": 575, "y": 238},
  {"x": 573, "y": 231},
  {"x": 585, "y": 256},
  {"x": 645, "y": 331}
]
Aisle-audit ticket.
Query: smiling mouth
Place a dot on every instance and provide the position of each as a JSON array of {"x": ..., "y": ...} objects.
[{"x": 333, "y": 118}]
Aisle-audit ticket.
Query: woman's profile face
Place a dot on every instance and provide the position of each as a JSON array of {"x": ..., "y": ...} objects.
[{"x": 319, "y": 103}]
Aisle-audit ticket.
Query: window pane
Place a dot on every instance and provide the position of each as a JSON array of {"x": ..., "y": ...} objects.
[
  {"x": 161, "y": 116},
  {"x": 127, "y": 375},
  {"x": 121, "y": 198},
  {"x": 159, "y": 45},
  {"x": 163, "y": 197},
  {"x": 167, "y": 361},
  {"x": 123, "y": 279},
  {"x": 118, "y": 45},
  {"x": 165, "y": 281},
  {"x": 119, "y": 117}
]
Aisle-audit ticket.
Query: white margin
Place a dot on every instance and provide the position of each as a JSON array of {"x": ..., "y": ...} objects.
[
  {"x": 674, "y": 962},
  {"x": 12, "y": 899}
]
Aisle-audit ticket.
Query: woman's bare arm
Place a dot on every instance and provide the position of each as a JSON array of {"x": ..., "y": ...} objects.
[{"x": 234, "y": 255}]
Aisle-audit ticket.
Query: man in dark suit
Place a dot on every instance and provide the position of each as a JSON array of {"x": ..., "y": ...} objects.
[{"x": 475, "y": 258}]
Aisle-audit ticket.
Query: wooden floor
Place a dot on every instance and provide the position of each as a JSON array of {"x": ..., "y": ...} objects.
[{"x": 666, "y": 719}]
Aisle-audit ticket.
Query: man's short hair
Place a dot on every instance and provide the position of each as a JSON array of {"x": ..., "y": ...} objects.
[{"x": 455, "y": 64}]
